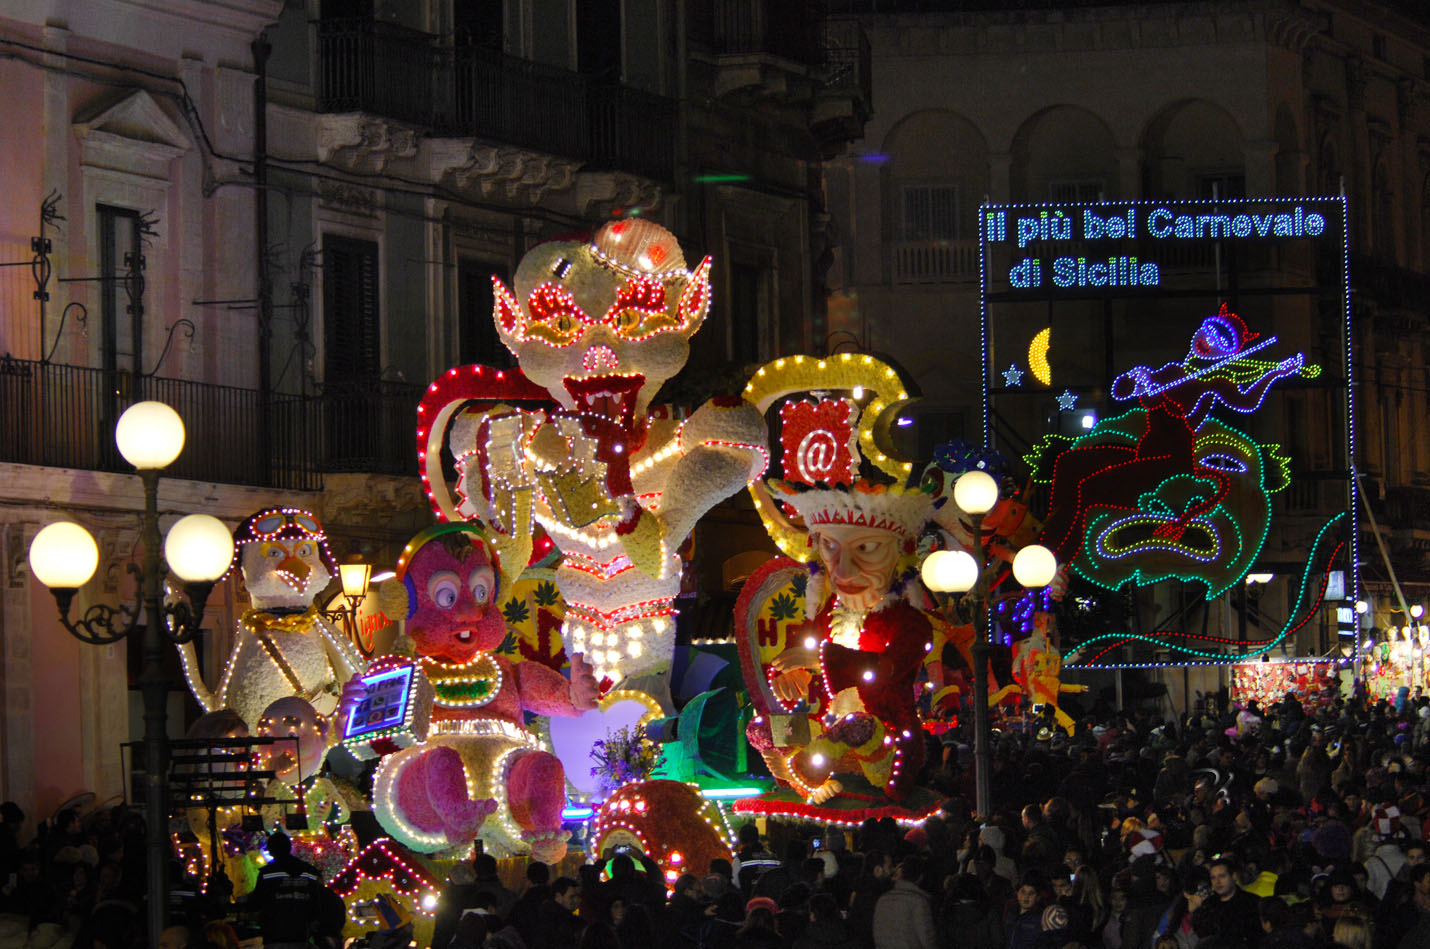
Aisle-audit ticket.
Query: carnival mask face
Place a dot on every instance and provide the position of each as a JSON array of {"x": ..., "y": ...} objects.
[
  {"x": 859, "y": 562},
  {"x": 451, "y": 595},
  {"x": 293, "y": 718},
  {"x": 284, "y": 571},
  {"x": 601, "y": 326},
  {"x": 1216, "y": 547}
]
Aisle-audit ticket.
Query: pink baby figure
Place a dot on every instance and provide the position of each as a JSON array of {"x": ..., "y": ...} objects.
[{"x": 478, "y": 772}]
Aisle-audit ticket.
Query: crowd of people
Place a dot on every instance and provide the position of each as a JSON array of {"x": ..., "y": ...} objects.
[
  {"x": 81, "y": 883},
  {"x": 1253, "y": 828},
  {"x": 1275, "y": 828}
]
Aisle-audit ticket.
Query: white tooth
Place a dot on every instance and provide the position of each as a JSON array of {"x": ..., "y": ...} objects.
[{"x": 590, "y": 398}]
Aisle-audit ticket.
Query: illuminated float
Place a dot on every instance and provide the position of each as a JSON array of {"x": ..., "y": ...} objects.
[
  {"x": 571, "y": 442},
  {"x": 668, "y": 821},
  {"x": 284, "y": 646},
  {"x": 831, "y": 645},
  {"x": 457, "y": 759}
]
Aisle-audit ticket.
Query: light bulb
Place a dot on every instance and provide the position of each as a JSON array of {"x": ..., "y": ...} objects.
[
  {"x": 957, "y": 573},
  {"x": 63, "y": 555},
  {"x": 149, "y": 435},
  {"x": 975, "y": 492},
  {"x": 1035, "y": 566},
  {"x": 198, "y": 548}
]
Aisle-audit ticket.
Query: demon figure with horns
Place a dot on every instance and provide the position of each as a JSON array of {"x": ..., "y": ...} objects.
[{"x": 570, "y": 441}]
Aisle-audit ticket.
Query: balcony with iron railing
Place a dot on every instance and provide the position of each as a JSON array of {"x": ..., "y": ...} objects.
[
  {"x": 915, "y": 262},
  {"x": 63, "y": 417},
  {"x": 407, "y": 75},
  {"x": 784, "y": 28}
]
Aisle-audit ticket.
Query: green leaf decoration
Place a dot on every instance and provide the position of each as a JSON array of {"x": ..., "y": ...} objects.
[
  {"x": 516, "y": 611},
  {"x": 546, "y": 593},
  {"x": 784, "y": 607}
]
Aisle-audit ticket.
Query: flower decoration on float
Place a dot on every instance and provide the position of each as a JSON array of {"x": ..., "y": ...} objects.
[
  {"x": 668, "y": 821},
  {"x": 478, "y": 771},
  {"x": 838, "y": 723},
  {"x": 385, "y": 870},
  {"x": 623, "y": 756},
  {"x": 284, "y": 646}
]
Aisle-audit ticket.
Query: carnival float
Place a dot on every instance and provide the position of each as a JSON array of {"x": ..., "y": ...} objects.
[{"x": 533, "y": 702}]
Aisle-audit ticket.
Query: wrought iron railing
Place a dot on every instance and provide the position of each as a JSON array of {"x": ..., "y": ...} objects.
[
  {"x": 63, "y": 416},
  {"x": 784, "y": 28},
  {"x": 475, "y": 91},
  {"x": 847, "y": 60},
  {"x": 369, "y": 66}
]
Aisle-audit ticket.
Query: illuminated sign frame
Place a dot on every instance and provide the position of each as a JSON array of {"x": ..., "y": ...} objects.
[{"x": 1113, "y": 240}]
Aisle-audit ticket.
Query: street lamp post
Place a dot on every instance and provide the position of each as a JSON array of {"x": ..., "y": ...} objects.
[
  {"x": 198, "y": 549},
  {"x": 975, "y": 493},
  {"x": 356, "y": 581}
]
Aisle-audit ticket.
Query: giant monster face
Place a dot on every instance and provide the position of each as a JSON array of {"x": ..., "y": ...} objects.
[
  {"x": 1217, "y": 547},
  {"x": 452, "y": 596},
  {"x": 602, "y": 325}
]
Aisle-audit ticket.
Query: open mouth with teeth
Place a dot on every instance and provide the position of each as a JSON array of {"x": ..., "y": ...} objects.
[
  {"x": 613, "y": 396},
  {"x": 462, "y": 646}
]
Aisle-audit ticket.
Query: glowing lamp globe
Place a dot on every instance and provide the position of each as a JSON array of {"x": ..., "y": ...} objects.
[
  {"x": 929, "y": 569},
  {"x": 950, "y": 571},
  {"x": 975, "y": 492},
  {"x": 198, "y": 548},
  {"x": 63, "y": 556},
  {"x": 149, "y": 435},
  {"x": 1035, "y": 566}
]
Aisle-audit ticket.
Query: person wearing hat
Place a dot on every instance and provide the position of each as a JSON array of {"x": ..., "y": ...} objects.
[
  {"x": 288, "y": 896},
  {"x": 1386, "y": 863}
]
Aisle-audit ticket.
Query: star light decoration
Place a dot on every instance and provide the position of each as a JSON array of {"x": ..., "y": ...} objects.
[
  {"x": 1013, "y": 376},
  {"x": 1066, "y": 401}
]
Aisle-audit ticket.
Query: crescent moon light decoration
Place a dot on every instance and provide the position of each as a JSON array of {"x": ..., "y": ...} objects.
[{"x": 1038, "y": 356}]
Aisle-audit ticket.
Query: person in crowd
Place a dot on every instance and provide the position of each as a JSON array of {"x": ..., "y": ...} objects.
[
  {"x": 903, "y": 916},
  {"x": 484, "y": 866},
  {"x": 288, "y": 896}
]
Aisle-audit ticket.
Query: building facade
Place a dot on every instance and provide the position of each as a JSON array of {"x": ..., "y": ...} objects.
[
  {"x": 980, "y": 102},
  {"x": 282, "y": 219}
]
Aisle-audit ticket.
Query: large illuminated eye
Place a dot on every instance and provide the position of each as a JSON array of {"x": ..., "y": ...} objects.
[
  {"x": 272, "y": 551},
  {"x": 639, "y": 308},
  {"x": 1220, "y": 462},
  {"x": 305, "y": 549},
  {"x": 443, "y": 589},
  {"x": 870, "y": 546},
  {"x": 481, "y": 587}
]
